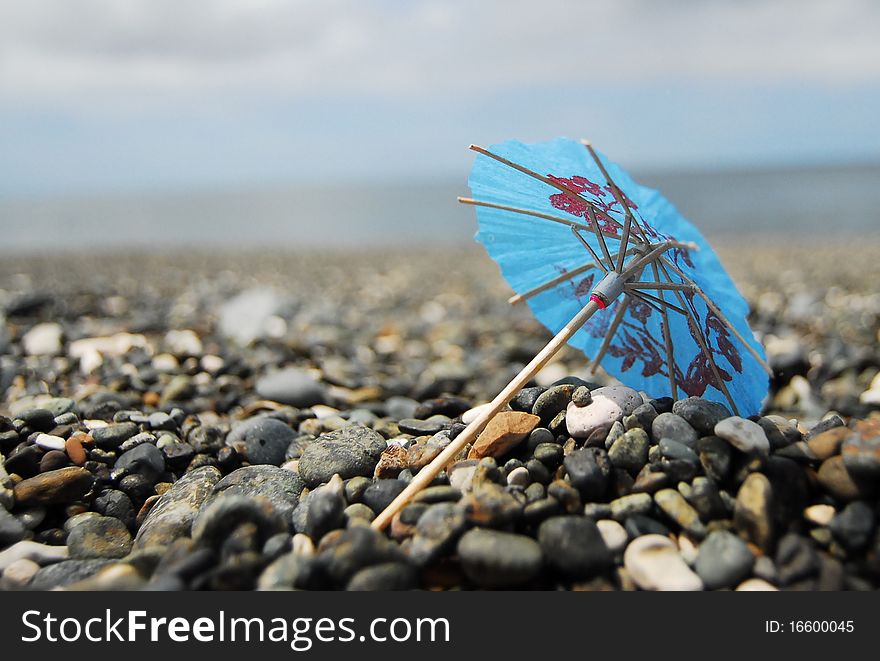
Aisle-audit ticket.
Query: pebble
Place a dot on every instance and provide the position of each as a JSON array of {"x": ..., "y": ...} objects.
[
  {"x": 325, "y": 511},
  {"x": 380, "y": 493},
  {"x": 630, "y": 451},
  {"x": 348, "y": 452},
  {"x": 249, "y": 315},
  {"x": 674, "y": 427},
  {"x": 280, "y": 487},
  {"x": 112, "y": 436},
  {"x": 394, "y": 459},
  {"x": 626, "y": 506},
  {"x": 745, "y": 435},
  {"x": 552, "y": 401},
  {"x": 574, "y": 546},
  {"x": 99, "y": 537},
  {"x": 723, "y": 560},
  {"x": 75, "y": 451},
  {"x": 491, "y": 558},
  {"x": 504, "y": 432},
  {"x": 853, "y": 526},
  {"x": 821, "y": 515},
  {"x": 610, "y": 404},
  {"x": 19, "y": 574},
  {"x": 519, "y": 477},
  {"x": 613, "y": 534},
  {"x": 436, "y": 532},
  {"x": 701, "y": 414},
  {"x": 861, "y": 456},
  {"x": 145, "y": 460},
  {"x": 215, "y": 521},
  {"x": 654, "y": 563},
  {"x": 43, "y": 340},
  {"x": 752, "y": 514},
  {"x": 354, "y": 549},
  {"x": 54, "y": 487},
  {"x": 292, "y": 386},
  {"x": 173, "y": 514},
  {"x": 674, "y": 506},
  {"x": 588, "y": 470},
  {"x": 49, "y": 442},
  {"x": 265, "y": 439},
  {"x": 839, "y": 482}
]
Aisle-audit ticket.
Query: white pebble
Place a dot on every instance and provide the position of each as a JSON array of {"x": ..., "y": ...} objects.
[
  {"x": 165, "y": 362},
  {"x": 42, "y": 554},
  {"x": 819, "y": 514},
  {"x": 183, "y": 342},
  {"x": 43, "y": 340},
  {"x": 303, "y": 545},
  {"x": 519, "y": 476},
  {"x": 212, "y": 364},
  {"x": 755, "y": 585},
  {"x": 610, "y": 404},
  {"x": 744, "y": 435},
  {"x": 687, "y": 549},
  {"x": 613, "y": 534},
  {"x": 49, "y": 442},
  {"x": 654, "y": 563}
]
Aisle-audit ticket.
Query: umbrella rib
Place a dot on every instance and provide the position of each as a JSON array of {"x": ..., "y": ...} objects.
[
  {"x": 667, "y": 338},
  {"x": 701, "y": 340},
  {"x": 551, "y": 283},
  {"x": 628, "y": 217},
  {"x": 528, "y": 212},
  {"x": 657, "y": 249},
  {"x": 594, "y": 222},
  {"x": 612, "y": 329},
  {"x": 711, "y": 305},
  {"x": 516, "y": 166},
  {"x": 598, "y": 260},
  {"x": 668, "y": 286},
  {"x": 649, "y": 297}
]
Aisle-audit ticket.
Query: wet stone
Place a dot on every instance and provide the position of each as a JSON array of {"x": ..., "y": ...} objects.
[
  {"x": 626, "y": 506},
  {"x": 325, "y": 511},
  {"x": 716, "y": 457},
  {"x": 66, "y": 572},
  {"x": 677, "y": 451},
  {"x": 388, "y": 576},
  {"x": 525, "y": 399},
  {"x": 796, "y": 559},
  {"x": 292, "y": 386},
  {"x": 427, "y": 427}
]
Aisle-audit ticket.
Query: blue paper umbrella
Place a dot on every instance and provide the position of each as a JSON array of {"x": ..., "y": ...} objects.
[{"x": 567, "y": 227}]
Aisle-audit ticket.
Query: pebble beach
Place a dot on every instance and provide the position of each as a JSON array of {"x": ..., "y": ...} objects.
[{"x": 177, "y": 420}]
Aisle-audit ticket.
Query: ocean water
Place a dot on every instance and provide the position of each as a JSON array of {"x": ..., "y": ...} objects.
[{"x": 818, "y": 202}]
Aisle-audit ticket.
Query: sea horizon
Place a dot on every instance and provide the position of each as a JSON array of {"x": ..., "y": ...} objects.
[{"x": 808, "y": 201}]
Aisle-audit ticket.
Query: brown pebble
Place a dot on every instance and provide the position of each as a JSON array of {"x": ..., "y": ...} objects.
[
  {"x": 55, "y": 487},
  {"x": 393, "y": 459},
  {"x": 837, "y": 481},
  {"x": 151, "y": 398},
  {"x": 53, "y": 460},
  {"x": 504, "y": 431},
  {"x": 74, "y": 448},
  {"x": 827, "y": 444}
]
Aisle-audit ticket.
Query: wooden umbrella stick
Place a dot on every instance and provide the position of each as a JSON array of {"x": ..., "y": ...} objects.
[{"x": 427, "y": 474}]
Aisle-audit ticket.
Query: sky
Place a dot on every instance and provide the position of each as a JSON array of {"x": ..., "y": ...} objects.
[{"x": 99, "y": 96}]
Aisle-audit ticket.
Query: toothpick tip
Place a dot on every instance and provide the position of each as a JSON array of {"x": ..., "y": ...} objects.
[
  {"x": 586, "y": 143},
  {"x": 513, "y": 300}
]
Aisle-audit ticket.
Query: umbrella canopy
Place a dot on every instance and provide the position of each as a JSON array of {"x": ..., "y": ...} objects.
[{"x": 559, "y": 217}]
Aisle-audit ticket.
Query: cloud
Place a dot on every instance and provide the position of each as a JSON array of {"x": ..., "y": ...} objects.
[{"x": 144, "y": 51}]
